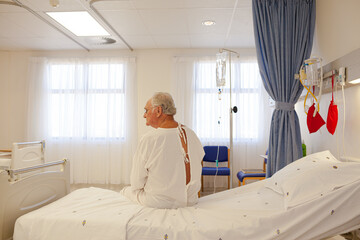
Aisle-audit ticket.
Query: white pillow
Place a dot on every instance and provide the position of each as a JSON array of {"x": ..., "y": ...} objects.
[{"x": 311, "y": 177}]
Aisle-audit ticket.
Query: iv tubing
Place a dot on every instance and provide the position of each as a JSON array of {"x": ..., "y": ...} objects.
[
  {"x": 218, "y": 150},
  {"x": 343, "y": 136},
  {"x": 336, "y": 132},
  {"x": 217, "y": 166},
  {"x": 308, "y": 90}
]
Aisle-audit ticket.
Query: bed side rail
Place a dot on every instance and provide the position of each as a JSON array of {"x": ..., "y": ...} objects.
[
  {"x": 13, "y": 173},
  {"x": 28, "y": 143}
]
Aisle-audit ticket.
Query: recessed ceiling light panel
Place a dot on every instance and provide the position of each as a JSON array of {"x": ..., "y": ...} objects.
[{"x": 80, "y": 23}]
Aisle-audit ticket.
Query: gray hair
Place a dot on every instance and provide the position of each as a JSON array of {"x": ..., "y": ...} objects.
[{"x": 165, "y": 101}]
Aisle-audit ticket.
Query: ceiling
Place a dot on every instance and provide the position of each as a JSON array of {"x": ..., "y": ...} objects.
[{"x": 142, "y": 24}]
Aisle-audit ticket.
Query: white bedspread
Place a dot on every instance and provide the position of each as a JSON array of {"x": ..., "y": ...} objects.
[
  {"x": 89, "y": 213},
  {"x": 249, "y": 212},
  {"x": 253, "y": 211}
]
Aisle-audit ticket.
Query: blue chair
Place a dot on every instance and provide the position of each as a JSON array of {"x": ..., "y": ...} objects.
[
  {"x": 251, "y": 174},
  {"x": 211, "y": 153}
]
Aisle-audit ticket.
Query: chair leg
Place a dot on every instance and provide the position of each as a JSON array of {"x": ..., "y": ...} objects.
[
  {"x": 228, "y": 182},
  {"x": 239, "y": 183},
  {"x": 202, "y": 183}
]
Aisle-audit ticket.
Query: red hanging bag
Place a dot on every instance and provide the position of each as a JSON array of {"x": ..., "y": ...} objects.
[
  {"x": 332, "y": 117},
  {"x": 314, "y": 123}
]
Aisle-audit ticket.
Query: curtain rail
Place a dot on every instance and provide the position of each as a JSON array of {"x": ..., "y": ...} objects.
[{"x": 107, "y": 23}]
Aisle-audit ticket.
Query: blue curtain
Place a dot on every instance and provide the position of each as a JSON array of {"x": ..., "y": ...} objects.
[{"x": 284, "y": 32}]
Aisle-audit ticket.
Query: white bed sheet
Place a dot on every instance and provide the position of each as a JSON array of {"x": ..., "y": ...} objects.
[{"x": 248, "y": 212}]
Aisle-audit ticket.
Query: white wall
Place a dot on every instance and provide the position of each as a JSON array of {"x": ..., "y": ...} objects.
[
  {"x": 13, "y": 98},
  {"x": 337, "y": 34},
  {"x": 154, "y": 73},
  {"x": 337, "y": 28}
]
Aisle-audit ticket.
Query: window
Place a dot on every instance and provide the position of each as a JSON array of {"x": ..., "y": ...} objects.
[
  {"x": 212, "y": 109},
  {"x": 86, "y": 100}
]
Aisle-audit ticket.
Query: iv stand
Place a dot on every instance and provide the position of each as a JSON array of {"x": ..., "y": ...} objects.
[{"x": 232, "y": 109}]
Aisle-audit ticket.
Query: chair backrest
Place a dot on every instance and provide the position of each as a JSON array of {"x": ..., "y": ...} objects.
[{"x": 212, "y": 152}]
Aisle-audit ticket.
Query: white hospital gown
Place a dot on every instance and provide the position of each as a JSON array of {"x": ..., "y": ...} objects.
[{"x": 158, "y": 176}]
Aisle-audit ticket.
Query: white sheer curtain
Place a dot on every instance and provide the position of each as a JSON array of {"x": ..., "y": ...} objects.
[
  {"x": 197, "y": 99},
  {"x": 85, "y": 109}
]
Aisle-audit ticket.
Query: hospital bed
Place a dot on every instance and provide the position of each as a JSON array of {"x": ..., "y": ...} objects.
[
  {"x": 20, "y": 195},
  {"x": 27, "y": 183},
  {"x": 313, "y": 198}
]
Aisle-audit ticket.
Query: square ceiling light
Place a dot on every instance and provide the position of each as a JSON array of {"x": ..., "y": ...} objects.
[{"x": 80, "y": 23}]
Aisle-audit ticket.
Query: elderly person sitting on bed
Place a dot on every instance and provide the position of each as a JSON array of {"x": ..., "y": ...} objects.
[{"x": 166, "y": 169}]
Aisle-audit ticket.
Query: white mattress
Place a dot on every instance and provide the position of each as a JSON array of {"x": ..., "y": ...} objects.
[{"x": 254, "y": 211}]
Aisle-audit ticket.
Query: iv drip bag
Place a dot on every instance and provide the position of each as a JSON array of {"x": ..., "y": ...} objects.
[{"x": 220, "y": 69}]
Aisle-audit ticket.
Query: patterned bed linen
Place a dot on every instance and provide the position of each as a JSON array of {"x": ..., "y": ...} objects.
[{"x": 249, "y": 212}]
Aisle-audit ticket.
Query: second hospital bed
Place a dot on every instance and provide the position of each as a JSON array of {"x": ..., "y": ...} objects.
[
  {"x": 28, "y": 183},
  {"x": 313, "y": 198}
]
